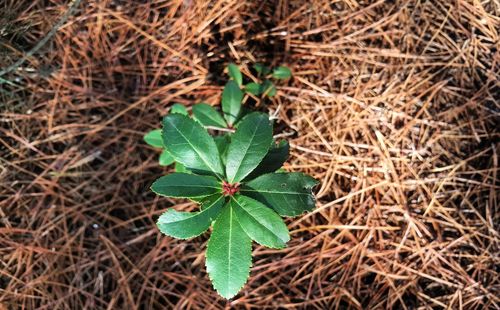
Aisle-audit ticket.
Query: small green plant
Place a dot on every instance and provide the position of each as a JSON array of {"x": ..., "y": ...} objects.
[
  {"x": 232, "y": 108},
  {"x": 236, "y": 180},
  {"x": 266, "y": 87}
]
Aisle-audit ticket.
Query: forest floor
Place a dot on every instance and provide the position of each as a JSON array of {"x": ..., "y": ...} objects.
[{"x": 393, "y": 107}]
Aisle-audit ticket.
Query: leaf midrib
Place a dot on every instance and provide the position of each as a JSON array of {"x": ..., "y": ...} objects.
[
  {"x": 198, "y": 213},
  {"x": 213, "y": 118},
  {"x": 255, "y": 219},
  {"x": 192, "y": 186},
  {"x": 229, "y": 248},
  {"x": 246, "y": 150},
  {"x": 274, "y": 192},
  {"x": 197, "y": 151}
]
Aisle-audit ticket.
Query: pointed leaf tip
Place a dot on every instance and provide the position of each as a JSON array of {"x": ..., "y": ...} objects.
[
  {"x": 229, "y": 254},
  {"x": 179, "y": 109},
  {"x": 165, "y": 158},
  {"x": 235, "y": 73},
  {"x": 249, "y": 144},
  {"x": 208, "y": 116},
  {"x": 191, "y": 145},
  {"x": 231, "y": 102},
  {"x": 153, "y": 138}
]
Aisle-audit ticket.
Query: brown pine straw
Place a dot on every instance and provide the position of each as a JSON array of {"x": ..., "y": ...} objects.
[{"x": 394, "y": 107}]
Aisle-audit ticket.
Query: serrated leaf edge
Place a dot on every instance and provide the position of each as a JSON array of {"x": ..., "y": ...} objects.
[
  {"x": 212, "y": 170},
  {"x": 265, "y": 245},
  {"x": 191, "y": 237},
  {"x": 249, "y": 267},
  {"x": 310, "y": 188},
  {"x": 260, "y": 161}
]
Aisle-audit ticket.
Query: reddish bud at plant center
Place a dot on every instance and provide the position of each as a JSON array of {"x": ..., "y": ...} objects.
[{"x": 229, "y": 189}]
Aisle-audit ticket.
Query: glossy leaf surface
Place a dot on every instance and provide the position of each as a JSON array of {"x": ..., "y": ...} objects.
[
  {"x": 165, "y": 158},
  {"x": 229, "y": 254},
  {"x": 190, "y": 144},
  {"x": 289, "y": 194},
  {"x": 249, "y": 144},
  {"x": 153, "y": 138},
  {"x": 260, "y": 223},
  {"x": 179, "y": 109},
  {"x": 185, "y": 185},
  {"x": 273, "y": 160},
  {"x": 208, "y": 116},
  {"x": 231, "y": 102},
  {"x": 185, "y": 225},
  {"x": 235, "y": 74}
]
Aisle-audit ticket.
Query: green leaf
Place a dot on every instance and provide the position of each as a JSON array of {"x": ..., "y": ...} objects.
[
  {"x": 180, "y": 168},
  {"x": 260, "y": 223},
  {"x": 185, "y": 225},
  {"x": 268, "y": 88},
  {"x": 229, "y": 254},
  {"x": 261, "y": 69},
  {"x": 235, "y": 74},
  {"x": 179, "y": 109},
  {"x": 191, "y": 145},
  {"x": 273, "y": 160},
  {"x": 253, "y": 88},
  {"x": 208, "y": 116},
  {"x": 282, "y": 73},
  {"x": 165, "y": 158},
  {"x": 185, "y": 185},
  {"x": 153, "y": 138},
  {"x": 231, "y": 102},
  {"x": 205, "y": 202},
  {"x": 249, "y": 144},
  {"x": 222, "y": 143},
  {"x": 289, "y": 194}
]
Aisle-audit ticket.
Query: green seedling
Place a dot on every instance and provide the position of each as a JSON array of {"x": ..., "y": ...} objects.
[
  {"x": 232, "y": 107},
  {"x": 241, "y": 194},
  {"x": 266, "y": 87}
]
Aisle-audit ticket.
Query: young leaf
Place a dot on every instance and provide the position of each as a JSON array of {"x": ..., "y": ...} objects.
[
  {"x": 261, "y": 69},
  {"x": 165, "y": 158},
  {"x": 273, "y": 160},
  {"x": 180, "y": 168},
  {"x": 282, "y": 73},
  {"x": 191, "y": 145},
  {"x": 184, "y": 185},
  {"x": 229, "y": 254},
  {"x": 289, "y": 194},
  {"x": 179, "y": 109},
  {"x": 231, "y": 102},
  {"x": 249, "y": 145},
  {"x": 222, "y": 143},
  {"x": 235, "y": 74},
  {"x": 253, "y": 88},
  {"x": 185, "y": 225},
  {"x": 208, "y": 116},
  {"x": 268, "y": 88},
  {"x": 153, "y": 138},
  {"x": 260, "y": 223}
]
